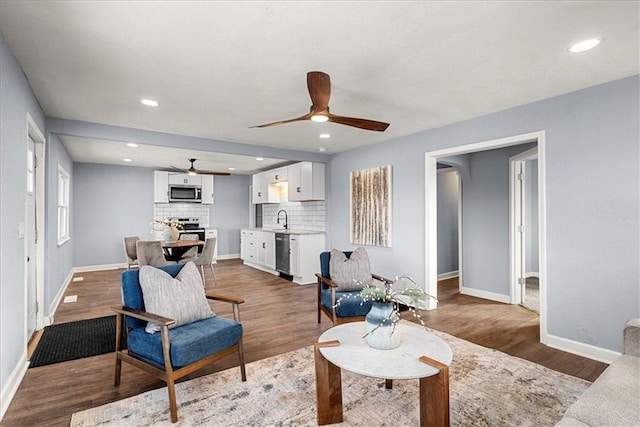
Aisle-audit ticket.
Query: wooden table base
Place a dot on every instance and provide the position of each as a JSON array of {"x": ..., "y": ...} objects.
[{"x": 434, "y": 392}]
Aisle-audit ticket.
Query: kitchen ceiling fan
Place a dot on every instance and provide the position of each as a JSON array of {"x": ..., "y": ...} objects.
[
  {"x": 319, "y": 85},
  {"x": 193, "y": 171}
]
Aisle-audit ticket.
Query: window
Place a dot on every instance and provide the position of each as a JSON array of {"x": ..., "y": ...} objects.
[{"x": 63, "y": 205}]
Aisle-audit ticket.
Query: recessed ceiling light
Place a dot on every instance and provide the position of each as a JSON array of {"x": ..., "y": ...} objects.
[
  {"x": 132, "y": 145},
  {"x": 231, "y": 169},
  {"x": 126, "y": 160},
  {"x": 584, "y": 45},
  {"x": 322, "y": 149},
  {"x": 325, "y": 135},
  {"x": 259, "y": 159},
  {"x": 149, "y": 102}
]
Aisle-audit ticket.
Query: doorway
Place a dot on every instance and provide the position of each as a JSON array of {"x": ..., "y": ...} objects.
[
  {"x": 431, "y": 247},
  {"x": 33, "y": 230},
  {"x": 523, "y": 220}
]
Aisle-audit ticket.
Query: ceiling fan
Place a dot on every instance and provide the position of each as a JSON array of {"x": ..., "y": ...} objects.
[
  {"x": 319, "y": 85},
  {"x": 193, "y": 171}
]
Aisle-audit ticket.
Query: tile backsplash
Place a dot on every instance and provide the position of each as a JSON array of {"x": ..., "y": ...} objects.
[
  {"x": 300, "y": 215},
  {"x": 183, "y": 210}
]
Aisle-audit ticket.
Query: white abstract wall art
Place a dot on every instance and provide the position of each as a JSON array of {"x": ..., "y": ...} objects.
[{"x": 370, "y": 191}]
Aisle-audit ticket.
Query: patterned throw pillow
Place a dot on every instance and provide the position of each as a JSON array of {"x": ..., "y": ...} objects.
[
  {"x": 181, "y": 298},
  {"x": 347, "y": 272}
]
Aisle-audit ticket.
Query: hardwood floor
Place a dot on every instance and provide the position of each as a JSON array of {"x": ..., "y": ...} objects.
[{"x": 278, "y": 316}]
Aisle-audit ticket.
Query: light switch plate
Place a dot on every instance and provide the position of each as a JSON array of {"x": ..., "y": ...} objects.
[{"x": 21, "y": 230}]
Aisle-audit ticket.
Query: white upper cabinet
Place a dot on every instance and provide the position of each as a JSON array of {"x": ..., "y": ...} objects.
[
  {"x": 263, "y": 190},
  {"x": 207, "y": 189},
  {"x": 277, "y": 175},
  {"x": 184, "y": 179},
  {"x": 160, "y": 187},
  {"x": 306, "y": 181}
]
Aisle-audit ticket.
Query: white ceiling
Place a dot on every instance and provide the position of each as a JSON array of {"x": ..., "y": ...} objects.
[{"x": 219, "y": 67}]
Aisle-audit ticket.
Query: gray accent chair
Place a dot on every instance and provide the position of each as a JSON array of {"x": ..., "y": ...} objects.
[
  {"x": 151, "y": 253},
  {"x": 614, "y": 398},
  {"x": 205, "y": 258},
  {"x": 130, "y": 251}
]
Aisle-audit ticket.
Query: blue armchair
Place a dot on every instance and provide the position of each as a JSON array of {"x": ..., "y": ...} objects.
[
  {"x": 172, "y": 353},
  {"x": 351, "y": 308}
]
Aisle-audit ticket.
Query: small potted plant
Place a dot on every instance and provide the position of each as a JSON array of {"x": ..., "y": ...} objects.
[
  {"x": 387, "y": 302},
  {"x": 171, "y": 227}
]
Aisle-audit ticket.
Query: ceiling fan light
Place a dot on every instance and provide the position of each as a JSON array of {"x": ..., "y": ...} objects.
[
  {"x": 584, "y": 45},
  {"x": 319, "y": 118},
  {"x": 191, "y": 171}
]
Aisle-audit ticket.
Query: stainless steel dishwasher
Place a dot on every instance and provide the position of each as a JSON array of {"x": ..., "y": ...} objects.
[{"x": 282, "y": 253}]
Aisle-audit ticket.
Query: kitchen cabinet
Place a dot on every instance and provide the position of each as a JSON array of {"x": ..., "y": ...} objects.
[
  {"x": 160, "y": 187},
  {"x": 248, "y": 246},
  {"x": 184, "y": 179},
  {"x": 277, "y": 175},
  {"x": 304, "y": 256},
  {"x": 306, "y": 181},
  {"x": 266, "y": 249},
  {"x": 263, "y": 191},
  {"x": 213, "y": 232},
  {"x": 207, "y": 189}
]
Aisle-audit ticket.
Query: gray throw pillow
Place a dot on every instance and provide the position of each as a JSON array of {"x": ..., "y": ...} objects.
[
  {"x": 347, "y": 272},
  {"x": 181, "y": 298}
]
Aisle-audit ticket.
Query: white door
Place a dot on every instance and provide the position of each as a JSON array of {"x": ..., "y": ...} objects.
[{"x": 30, "y": 235}]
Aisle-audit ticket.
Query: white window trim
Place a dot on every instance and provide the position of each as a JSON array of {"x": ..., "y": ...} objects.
[{"x": 64, "y": 184}]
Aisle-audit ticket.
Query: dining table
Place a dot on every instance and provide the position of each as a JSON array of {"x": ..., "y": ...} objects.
[{"x": 173, "y": 251}]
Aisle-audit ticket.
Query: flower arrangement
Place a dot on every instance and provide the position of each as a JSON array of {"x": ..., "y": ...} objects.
[
  {"x": 168, "y": 222},
  {"x": 401, "y": 292}
]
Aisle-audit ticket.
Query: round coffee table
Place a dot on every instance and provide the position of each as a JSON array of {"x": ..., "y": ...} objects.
[{"x": 421, "y": 355}]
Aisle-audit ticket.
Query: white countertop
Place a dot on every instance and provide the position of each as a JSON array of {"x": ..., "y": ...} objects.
[{"x": 271, "y": 230}]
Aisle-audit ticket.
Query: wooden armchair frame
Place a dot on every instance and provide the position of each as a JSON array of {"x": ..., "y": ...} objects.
[
  {"x": 168, "y": 374},
  {"x": 334, "y": 287}
]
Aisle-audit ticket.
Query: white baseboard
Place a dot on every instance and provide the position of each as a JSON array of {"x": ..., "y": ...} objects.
[
  {"x": 88, "y": 268},
  {"x": 48, "y": 320},
  {"x": 13, "y": 382},
  {"x": 582, "y": 349},
  {"x": 485, "y": 294},
  {"x": 448, "y": 275},
  {"x": 229, "y": 256},
  {"x": 532, "y": 274}
]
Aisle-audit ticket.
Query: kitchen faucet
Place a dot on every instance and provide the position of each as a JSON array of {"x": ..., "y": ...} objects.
[{"x": 285, "y": 218}]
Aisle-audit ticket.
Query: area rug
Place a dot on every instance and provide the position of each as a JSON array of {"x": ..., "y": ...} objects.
[
  {"x": 75, "y": 340},
  {"x": 487, "y": 388}
]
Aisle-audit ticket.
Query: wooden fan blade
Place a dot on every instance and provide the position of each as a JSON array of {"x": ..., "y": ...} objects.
[
  {"x": 213, "y": 173},
  {"x": 359, "y": 123},
  {"x": 176, "y": 169},
  {"x": 281, "y": 122},
  {"x": 319, "y": 85}
]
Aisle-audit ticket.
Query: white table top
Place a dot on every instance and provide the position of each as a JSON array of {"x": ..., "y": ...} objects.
[{"x": 354, "y": 355}]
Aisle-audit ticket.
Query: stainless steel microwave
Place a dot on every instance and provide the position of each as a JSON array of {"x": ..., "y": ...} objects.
[{"x": 185, "y": 194}]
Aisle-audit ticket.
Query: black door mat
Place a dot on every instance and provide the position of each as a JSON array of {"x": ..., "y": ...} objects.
[{"x": 75, "y": 340}]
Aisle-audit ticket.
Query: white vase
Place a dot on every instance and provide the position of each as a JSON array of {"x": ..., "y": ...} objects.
[
  {"x": 170, "y": 234},
  {"x": 381, "y": 327}
]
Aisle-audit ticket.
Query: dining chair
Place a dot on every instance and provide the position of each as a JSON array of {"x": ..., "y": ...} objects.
[
  {"x": 205, "y": 258},
  {"x": 193, "y": 252},
  {"x": 130, "y": 252},
  {"x": 151, "y": 253}
]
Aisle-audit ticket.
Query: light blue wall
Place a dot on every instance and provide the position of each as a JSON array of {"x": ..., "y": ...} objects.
[
  {"x": 59, "y": 259},
  {"x": 485, "y": 220},
  {"x": 16, "y": 100},
  {"x": 110, "y": 202},
  {"x": 230, "y": 211},
  {"x": 592, "y": 217},
  {"x": 447, "y": 221}
]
